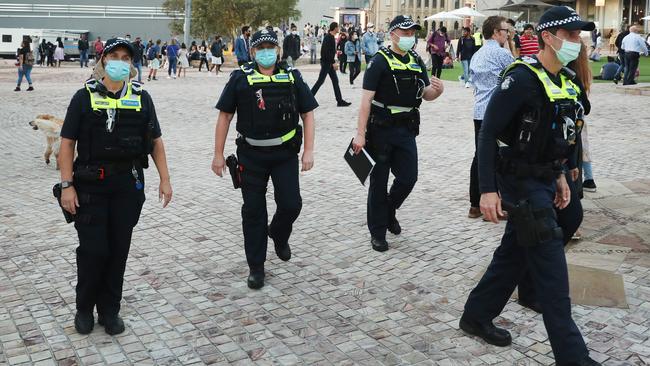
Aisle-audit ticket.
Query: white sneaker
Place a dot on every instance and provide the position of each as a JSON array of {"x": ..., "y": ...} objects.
[
  {"x": 169, "y": 77},
  {"x": 174, "y": 76},
  {"x": 467, "y": 85}
]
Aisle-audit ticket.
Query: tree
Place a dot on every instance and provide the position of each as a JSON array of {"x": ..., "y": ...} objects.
[{"x": 211, "y": 17}]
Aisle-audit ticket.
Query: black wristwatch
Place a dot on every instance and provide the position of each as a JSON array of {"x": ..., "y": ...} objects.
[{"x": 66, "y": 184}]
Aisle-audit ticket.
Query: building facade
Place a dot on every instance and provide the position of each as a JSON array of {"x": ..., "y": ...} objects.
[
  {"x": 383, "y": 11},
  {"x": 104, "y": 18}
]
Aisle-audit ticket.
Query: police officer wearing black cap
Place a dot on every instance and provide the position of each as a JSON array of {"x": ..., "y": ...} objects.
[
  {"x": 269, "y": 98},
  {"x": 394, "y": 85},
  {"x": 534, "y": 117},
  {"x": 113, "y": 125}
]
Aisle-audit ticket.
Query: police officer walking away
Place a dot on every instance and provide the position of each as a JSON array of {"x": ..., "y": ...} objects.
[
  {"x": 532, "y": 116},
  {"x": 269, "y": 99},
  {"x": 394, "y": 85},
  {"x": 113, "y": 124}
]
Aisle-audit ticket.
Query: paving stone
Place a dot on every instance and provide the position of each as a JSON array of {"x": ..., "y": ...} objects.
[{"x": 336, "y": 302}]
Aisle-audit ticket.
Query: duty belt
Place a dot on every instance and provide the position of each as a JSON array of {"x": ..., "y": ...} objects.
[
  {"x": 393, "y": 108},
  {"x": 270, "y": 142},
  {"x": 547, "y": 171}
]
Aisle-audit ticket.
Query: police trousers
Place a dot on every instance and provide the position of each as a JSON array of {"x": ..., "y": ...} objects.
[
  {"x": 394, "y": 150},
  {"x": 546, "y": 263},
  {"x": 282, "y": 167},
  {"x": 569, "y": 219},
  {"x": 107, "y": 213}
]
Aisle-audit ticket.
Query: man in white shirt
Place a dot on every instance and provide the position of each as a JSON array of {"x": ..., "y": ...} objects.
[{"x": 634, "y": 46}]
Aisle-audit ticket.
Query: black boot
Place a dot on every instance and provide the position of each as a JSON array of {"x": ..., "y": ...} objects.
[
  {"x": 283, "y": 250},
  {"x": 380, "y": 245},
  {"x": 256, "y": 278},
  {"x": 84, "y": 322},
  {"x": 488, "y": 332},
  {"x": 588, "y": 361},
  {"x": 112, "y": 325}
]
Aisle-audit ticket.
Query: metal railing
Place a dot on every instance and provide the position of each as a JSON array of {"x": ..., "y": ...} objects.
[{"x": 86, "y": 11}]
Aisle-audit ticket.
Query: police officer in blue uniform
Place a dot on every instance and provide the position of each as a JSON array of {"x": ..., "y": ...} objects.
[
  {"x": 113, "y": 124},
  {"x": 270, "y": 98},
  {"x": 534, "y": 117},
  {"x": 394, "y": 85}
]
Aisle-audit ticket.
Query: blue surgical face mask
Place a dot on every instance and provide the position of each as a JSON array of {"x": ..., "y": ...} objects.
[
  {"x": 117, "y": 70},
  {"x": 266, "y": 57},
  {"x": 405, "y": 43},
  {"x": 568, "y": 52}
]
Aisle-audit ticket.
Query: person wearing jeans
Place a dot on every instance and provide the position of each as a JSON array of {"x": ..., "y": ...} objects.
[
  {"x": 464, "y": 53},
  {"x": 172, "y": 58},
  {"x": 83, "y": 51},
  {"x": 25, "y": 64}
]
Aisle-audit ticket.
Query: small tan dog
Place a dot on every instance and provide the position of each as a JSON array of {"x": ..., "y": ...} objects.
[{"x": 51, "y": 128}]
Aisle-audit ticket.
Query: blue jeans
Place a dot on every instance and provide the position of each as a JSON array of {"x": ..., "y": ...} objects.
[
  {"x": 83, "y": 58},
  {"x": 465, "y": 76},
  {"x": 586, "y": 168},
  {"x": 621, "y": 67},
  {"x": 25, "y": 71},
  {"x": 138, "y": 66},
  {"x": 172, "y": 65}
]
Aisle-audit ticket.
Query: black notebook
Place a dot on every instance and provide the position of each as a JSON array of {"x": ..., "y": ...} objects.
[{"x": 361, "y": 164}]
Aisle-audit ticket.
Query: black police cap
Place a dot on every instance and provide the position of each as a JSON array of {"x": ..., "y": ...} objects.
[
  {"x": 563, "y": 17},
  {"x": 403, "y": 22},
  {"x": 114, "y": 43},
  {"x": 262, "y": 36}
]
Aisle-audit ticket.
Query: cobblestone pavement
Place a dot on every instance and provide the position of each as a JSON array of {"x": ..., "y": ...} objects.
[{"x": 336, "y": 302}]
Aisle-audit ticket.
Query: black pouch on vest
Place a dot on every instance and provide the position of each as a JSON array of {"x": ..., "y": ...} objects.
[{"x": 88, "y": 174}]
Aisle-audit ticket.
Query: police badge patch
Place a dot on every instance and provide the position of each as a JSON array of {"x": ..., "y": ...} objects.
[{"x": 505, "y": 84}]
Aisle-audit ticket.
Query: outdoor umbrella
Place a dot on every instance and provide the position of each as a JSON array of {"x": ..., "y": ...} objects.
[
  {"x": 467, "y": 12},
  {"x": 646, "y": 18},
  {"x": 443, "y": 15},
  {"x": 526, "y": 6}
]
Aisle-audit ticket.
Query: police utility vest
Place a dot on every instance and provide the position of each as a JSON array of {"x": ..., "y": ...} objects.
[
  {"x": 123, "y": 140},
  {"x": 267, "y": 110},
  {"x": 405, "y": 93},
  {"x": 544, "y": 135}
]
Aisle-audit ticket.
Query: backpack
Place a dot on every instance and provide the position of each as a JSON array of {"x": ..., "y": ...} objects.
[
  {"x": 151, "y": 54},
  {"x": 28, "y": 58}
]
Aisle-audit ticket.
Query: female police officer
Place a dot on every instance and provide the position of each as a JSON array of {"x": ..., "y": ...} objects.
[
  {"x": 269, "y": 98},
  {"x": 114, "y": 126}
]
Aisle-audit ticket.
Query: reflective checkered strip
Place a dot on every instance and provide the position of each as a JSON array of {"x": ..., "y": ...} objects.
[
  {"x": 264, "y": 38},
  {"x": 557, "y": 23},
  {"x": 400, "y": 25}
]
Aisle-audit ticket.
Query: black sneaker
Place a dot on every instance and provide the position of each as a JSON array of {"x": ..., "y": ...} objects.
[
  {"x": 84, "y": 322},
  {"x": 343, "y": 103},
  {"x": 589, "y": 185},
  {"x": 30, "y": 88},
  {"x": 112, "y": 325},
  {"x": 17, "y": 88},
  {"x": 616, "y": 81}
]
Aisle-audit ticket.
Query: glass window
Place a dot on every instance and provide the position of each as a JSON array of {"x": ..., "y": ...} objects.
[
  {"x": 442, "y": 4},
  {"x": 419, "y": 4},
  {"x": 426, "y": 3},
  {"x": 6, "y": 38},
  {"x": 457, "y": 4}
]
